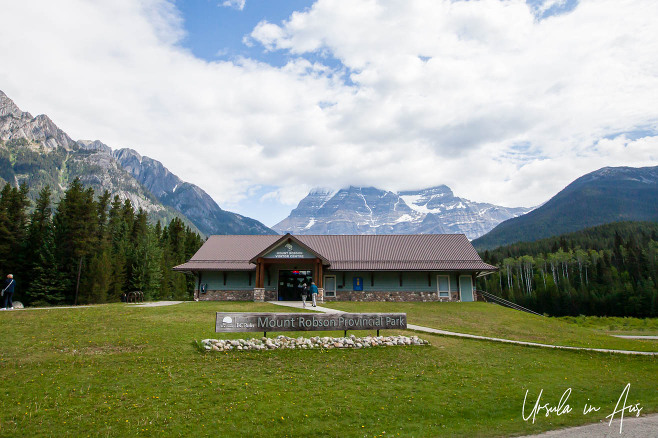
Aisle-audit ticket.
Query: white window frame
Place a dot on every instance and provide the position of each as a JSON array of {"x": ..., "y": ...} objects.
[
  {"x": 438, "y": 283},
  {"x": 326, "y": 292}
]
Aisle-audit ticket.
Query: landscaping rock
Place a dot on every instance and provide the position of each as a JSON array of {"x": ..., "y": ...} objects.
[{"x": 284, "y": 342}]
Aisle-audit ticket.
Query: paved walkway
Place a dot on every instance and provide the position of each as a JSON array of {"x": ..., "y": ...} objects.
[
  {"x": 86, "y": 306},
  {"x": 158, "y": 303},
  {"x": 300, "y": 305},
  {"x": 633, "y": 427},
  {"x": 147, "y": 304},
  {"x": 645, "y": 337},
  {"x": 420, "y": 328}
]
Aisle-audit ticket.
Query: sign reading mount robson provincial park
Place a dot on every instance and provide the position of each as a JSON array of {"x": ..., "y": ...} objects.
[{"x": 287, "y": 322}]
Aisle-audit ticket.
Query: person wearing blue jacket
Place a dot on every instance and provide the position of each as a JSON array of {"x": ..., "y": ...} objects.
[
  {"x": 8, "y": 292},
  {"x": 314, "y": 292}
]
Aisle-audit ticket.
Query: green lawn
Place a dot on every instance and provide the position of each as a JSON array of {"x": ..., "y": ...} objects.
[
  {"x": 488, "y": 319},
  {"x": 118, "y": 370},
  {"x": 616, "y": 325}
]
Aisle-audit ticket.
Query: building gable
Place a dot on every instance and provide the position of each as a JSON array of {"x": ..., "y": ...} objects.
[{"x": 288, "y": 250}]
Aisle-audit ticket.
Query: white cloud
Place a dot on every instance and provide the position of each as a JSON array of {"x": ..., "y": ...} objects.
[
  {"x": 478, "y": 95},
  {"x": 235, "y": 4},
  {"x": 546, "y": 5}
]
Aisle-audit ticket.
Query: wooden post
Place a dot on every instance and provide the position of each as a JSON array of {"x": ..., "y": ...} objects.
[
  {"x": 260, "y": 273},
  {"x": 197, "y": 294},
  {"x": 320, "y": 275}
]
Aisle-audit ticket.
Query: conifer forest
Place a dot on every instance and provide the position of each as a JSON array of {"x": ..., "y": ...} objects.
[
  {"x": 90, "y": 249},
  {"x": 609, "y": 270}
]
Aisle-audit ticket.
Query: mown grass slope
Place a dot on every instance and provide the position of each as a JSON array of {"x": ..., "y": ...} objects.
[
  {"x": 492, "y": 320},
  {"x": 118, "y": 370}
]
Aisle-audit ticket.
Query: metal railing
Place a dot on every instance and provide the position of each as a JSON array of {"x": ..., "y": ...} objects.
[
  {"x": 136, "y": 296},
  {"x": 503, "y": 302}
]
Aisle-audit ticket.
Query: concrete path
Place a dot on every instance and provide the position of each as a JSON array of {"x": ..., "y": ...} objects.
[
  {"x": 420, "y": 328},
  {"x": 633, "y": 427},
  {"x": 147, "y": 304},
  {"x": 645, "y": 337},
  {"x": 300, "y": 305},
  {"x": 158, "y": 303},
  {"x": 86, "y": 306}
]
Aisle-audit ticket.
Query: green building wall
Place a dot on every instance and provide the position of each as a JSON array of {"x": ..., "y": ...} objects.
[
  {"x": 421, "y": 281},
  {"x": 373, "y": 281},
  {"x": 235, "y": 280}
]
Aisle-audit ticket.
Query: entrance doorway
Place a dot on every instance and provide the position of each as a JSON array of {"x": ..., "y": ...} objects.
[
  {"x": 291, "y": 283},
  {"x": 466, "y": 287}
]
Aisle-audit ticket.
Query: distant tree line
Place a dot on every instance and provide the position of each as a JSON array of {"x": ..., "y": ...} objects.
[
  {"x": 90, "y": 249},
  {"x": 606, "y": 270}
]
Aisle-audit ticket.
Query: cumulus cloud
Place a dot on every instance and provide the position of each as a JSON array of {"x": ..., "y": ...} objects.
[
  {"x": 478, "y": 95},
  {"x": 235, "y": 4}
]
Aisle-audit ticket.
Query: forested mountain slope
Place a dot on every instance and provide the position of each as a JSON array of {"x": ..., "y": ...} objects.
[{"x": 607, "y": 195}]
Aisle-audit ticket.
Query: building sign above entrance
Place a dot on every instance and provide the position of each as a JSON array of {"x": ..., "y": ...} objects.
[
  {"x": 289, "y": 255},
  {"x": 286, "y": 322},
  {"x": 288, "y": 251}
]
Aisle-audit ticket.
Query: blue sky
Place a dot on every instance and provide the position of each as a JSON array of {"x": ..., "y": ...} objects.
[
  {"x": 216, "y": 32},
  {"x": 215, "y": 28},
  {"x": 257, "y": 102}
]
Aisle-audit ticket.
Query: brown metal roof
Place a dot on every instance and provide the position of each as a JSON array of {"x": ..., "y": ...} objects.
[
  {"x": 384, "y": 265},
  {"x": 441, "y": 252},
  {"x": 215, "y": 265}
]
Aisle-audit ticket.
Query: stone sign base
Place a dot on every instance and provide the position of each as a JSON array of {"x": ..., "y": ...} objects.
[{"x": 259, "y": 294}]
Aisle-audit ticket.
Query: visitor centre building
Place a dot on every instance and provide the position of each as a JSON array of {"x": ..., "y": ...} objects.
[{"x": 419, "y": 267}]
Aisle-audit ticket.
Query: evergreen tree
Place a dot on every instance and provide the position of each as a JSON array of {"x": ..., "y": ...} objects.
[
  {"x": 75, "y": 234},
  {"x": 13, "y": 226},
  {"x": 146, "y": 268}
]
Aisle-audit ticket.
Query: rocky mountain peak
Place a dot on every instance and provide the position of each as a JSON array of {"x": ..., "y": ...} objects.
[
  {"x": 185, "y": 197},
  {"x": 40, "y": 130},
  {"x": 125, "y": 154},
  {"x": 9, "y": 108},
  {"x": 157, "y": 178},
  {"x": 50, "y": 157},
  {"x": 369, "y": 210},
  {"x": 95, "y": 145},
  {"x": 441, "y": 190}
]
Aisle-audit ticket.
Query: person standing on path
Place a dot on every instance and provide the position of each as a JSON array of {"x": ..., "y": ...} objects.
[
  {"x": 304, "y": 294},
  {"x": 8, "y": 292},
  {"x": 314, "y": 293}
]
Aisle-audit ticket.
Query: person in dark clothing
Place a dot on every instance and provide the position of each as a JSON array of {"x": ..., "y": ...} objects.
[
  {"x": 8, "y": 292},
  {"x": 304, "y": 294},
  {"x": 314, "y": 293}
]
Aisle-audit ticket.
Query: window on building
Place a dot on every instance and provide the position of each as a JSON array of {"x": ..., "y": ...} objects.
[{"x": 443, "y": 285}]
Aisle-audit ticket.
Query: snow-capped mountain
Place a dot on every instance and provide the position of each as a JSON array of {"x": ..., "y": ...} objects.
[{"x": 368, "y": 210}]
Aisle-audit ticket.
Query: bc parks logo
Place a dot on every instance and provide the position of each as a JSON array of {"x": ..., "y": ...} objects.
[{"x": 228, "y": 322}]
